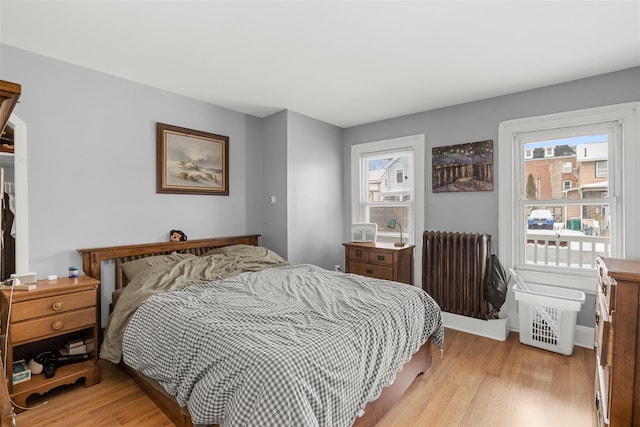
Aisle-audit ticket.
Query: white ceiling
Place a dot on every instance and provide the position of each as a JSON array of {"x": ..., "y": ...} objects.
[{"x": 345, "y": 63}]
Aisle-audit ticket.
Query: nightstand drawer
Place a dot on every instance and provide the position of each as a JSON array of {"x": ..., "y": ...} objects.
[
  {"x": 52, "y": 305},
  {"x": 381, "y": 258},
  {"x": 358, "y": 254},
  {"x": 52, "y": 325},
  {"x": 371, "y": 270}
]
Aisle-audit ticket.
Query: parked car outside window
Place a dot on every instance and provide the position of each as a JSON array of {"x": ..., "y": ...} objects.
[{"x": 541, "y": 218}]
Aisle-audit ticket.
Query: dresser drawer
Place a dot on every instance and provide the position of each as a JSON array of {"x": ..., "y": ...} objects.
[
  {"x": 602, "y": 390},
  {"x": 604, "y": 332},
  {"x": 381, "y": 258},
  {"x": 358, "y": 254},
  {"x": 606, "y": 286},
  {"x": 371, "y": 270},
  {"x": 52, "y": 305},
  {"x": 599, "y": 332},
  {"x": 363, "y": 255},
  {"x": 52, "y": 325}
]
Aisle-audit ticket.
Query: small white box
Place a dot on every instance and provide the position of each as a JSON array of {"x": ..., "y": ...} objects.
[
  {"x": 25, "y": 278},
  {"x": 21, "y": 372},
  {"x": 79, "y": 349},
  {"x": 89, "y": 344},
  {"x": 74, "y": 343}
]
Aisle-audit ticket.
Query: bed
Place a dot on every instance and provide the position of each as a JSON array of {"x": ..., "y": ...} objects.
[{"x": 285, "y": 355}]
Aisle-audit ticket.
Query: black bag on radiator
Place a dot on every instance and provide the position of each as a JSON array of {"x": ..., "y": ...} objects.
[{"x": 496, "y": 288}]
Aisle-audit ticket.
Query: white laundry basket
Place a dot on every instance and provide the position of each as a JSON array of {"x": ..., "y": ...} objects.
[{"x": 547, "y": 315}]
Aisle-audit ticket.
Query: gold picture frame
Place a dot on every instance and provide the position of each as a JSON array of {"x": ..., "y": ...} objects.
[{"x": 191, "y": 161}]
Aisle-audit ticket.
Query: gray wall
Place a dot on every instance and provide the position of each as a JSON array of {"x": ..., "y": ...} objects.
[
  {"x": 477, "y": 121},
  {"x": 92, "y": 166},
  {"x": 273, "y": 181},
  {"x": 91, "y": 147},
  {"x": 314, "y": 192},
  {"x": 302, "y": 168}
]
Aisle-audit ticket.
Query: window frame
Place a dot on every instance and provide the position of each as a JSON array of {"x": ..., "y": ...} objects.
[
  {"x": 415, "y": 143},
  {"x": 624, "y": 122}
]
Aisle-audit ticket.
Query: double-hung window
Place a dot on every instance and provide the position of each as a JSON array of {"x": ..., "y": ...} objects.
[
  {"x": 387, "y": 181},
  {"x": 561, "y": 206}
]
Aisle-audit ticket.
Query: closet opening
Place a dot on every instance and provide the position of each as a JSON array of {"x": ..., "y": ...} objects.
[
  {"x": 13, "y": 195},
  {"x": 7, "y": 205}
]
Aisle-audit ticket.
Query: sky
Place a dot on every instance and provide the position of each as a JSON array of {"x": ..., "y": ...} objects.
[{"x": 571, "y": 142}]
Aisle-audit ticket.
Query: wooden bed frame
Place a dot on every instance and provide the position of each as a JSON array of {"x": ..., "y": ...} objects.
[{"x": 92, "y": 263}]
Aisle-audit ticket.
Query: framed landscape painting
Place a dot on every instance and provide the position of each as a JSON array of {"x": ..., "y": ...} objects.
[{"x": 191, "y": 161}]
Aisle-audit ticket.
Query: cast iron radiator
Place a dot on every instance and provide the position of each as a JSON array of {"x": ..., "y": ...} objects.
[{"x": 454, "y": 271}]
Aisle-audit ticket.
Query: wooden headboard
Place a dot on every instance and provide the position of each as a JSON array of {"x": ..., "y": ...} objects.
[{"x": 92, "y": 258}]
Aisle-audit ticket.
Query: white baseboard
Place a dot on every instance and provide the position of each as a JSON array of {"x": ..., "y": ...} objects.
[
  {"x": 498, "y": 329},
  {"x": 494, "y": 328},
  {"x": 584, "y": 336}
]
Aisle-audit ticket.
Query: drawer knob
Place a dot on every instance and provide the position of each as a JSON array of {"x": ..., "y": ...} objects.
[
  {"x": 369, "y": 271},
  {"x": 56, "y": 305},
  {"x": 358, "y": 253},
  {"x": 57, "y": 325},
  {"x": 380, "y": 257}
]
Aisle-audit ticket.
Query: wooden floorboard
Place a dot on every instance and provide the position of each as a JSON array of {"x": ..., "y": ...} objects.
[
  {"x": 475, "y": 382},
  {"x": 482, "y": 382}
]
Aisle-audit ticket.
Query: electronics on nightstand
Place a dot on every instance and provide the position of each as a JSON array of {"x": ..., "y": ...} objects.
[
  {"x": 21, "y": 372},
  {"x": 363, "y": 232},
  {"x": 25, "y": 278}
]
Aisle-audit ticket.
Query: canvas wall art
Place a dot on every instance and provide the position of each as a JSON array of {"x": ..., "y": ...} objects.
[{"x": 463, "y": 167}]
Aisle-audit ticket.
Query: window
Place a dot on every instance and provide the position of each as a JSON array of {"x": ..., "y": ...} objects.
[
  {"x": 567, "y": 212},
  {"x": 387, "y": 182},
  {"x": 562, "y": 223},
  {"x": 601, "y": 169},
  {"x": 389, "y": 195},
  {"x": 528, "y": 154}
]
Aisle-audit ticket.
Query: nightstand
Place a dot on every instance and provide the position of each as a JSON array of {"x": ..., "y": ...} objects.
[
  {"x": 45, "y": 319},
  {"x": 380, "y": 260}
]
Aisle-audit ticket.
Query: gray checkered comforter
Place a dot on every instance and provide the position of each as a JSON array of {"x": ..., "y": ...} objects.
[{"x": 288, "y": 346}]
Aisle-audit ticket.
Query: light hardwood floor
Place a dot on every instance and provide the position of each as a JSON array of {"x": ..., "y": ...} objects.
[{"x": 477, "y": 382}]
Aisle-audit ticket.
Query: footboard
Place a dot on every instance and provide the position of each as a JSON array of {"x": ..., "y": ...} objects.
[{"x": 418, "y": 365}]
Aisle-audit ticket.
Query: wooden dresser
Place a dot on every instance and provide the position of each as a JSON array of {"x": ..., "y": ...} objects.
[
  {"x": 380, "y": 260},
  {"x": 617, "y": 343},
  {"x": 45, "y": 319}
]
